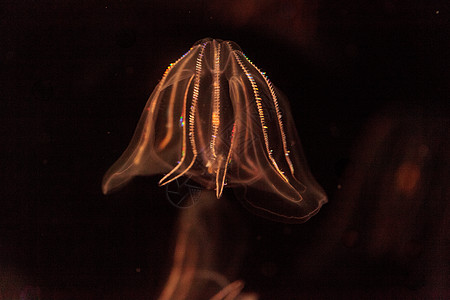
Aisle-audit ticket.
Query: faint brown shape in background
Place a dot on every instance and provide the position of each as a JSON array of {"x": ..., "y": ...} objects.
[
  {"x": 390, "y": 217},
  {"x": 210, "y": 246},
  {"x": 295, "y": 21}
]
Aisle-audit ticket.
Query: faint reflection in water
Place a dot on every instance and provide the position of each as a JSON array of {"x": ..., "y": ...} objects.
[
  {"x": 209, "y": 251},
  {"x": 391, "y": 217}
]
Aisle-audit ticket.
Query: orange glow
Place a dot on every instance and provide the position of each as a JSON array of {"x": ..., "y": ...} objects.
[{"x": 407, "y": 177}]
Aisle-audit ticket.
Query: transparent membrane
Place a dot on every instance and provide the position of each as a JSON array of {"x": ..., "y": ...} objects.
[{"x": 217, "y": 118}]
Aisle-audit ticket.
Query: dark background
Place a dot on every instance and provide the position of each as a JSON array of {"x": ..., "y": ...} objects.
[{"x": 76, "y": 75}]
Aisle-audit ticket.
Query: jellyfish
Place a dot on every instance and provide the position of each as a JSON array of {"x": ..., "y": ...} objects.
[{"x": 216, "y": 118}]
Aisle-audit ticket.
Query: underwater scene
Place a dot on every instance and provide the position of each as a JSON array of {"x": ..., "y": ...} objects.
[{"x": 250, "y": 150}]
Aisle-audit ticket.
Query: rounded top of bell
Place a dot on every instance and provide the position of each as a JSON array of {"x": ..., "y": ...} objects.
[{"x": 208, "y": 41}]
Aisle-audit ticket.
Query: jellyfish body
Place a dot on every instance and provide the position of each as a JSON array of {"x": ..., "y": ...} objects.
[{"x": 216, "y": 118}]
